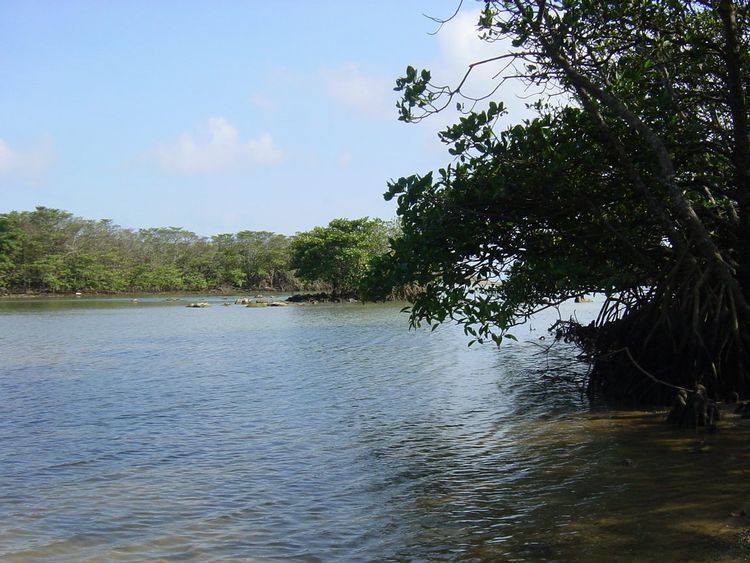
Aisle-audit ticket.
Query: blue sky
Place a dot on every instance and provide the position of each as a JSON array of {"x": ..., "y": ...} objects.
[{"x": 218, "y": 116}]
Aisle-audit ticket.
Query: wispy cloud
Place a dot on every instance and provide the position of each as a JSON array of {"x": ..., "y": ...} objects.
[
  {"x": 262, "y": 102},
  {"x": 344, "y": 160},
  {"x": 30, "y": 162},
  {"x": 216, "y": 147},
  {"x": 368, "y": 94}
]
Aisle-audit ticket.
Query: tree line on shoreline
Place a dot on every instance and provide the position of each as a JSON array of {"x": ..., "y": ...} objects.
[{"x": 53, "y": 251}]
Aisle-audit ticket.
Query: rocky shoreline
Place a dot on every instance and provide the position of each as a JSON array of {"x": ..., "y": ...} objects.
[{"x": 323, "y": 297}]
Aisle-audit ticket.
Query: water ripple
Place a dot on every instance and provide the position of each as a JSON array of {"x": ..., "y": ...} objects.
[{"x": 310, "y": 433}]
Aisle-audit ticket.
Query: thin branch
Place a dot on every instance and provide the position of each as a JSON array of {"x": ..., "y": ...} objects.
[{"x": 442, "y": 22}]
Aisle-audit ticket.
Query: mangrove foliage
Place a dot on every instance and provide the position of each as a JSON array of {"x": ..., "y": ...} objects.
[
  {"x": 50, "y": 250},
  {"x": 632, "y": 181}
]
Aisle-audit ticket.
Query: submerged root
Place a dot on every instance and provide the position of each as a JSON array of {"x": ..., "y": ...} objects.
[{"x": 694, "y": 409}]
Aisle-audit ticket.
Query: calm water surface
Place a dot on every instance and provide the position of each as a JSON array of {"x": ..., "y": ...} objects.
[{"x": 136, "y": 431}]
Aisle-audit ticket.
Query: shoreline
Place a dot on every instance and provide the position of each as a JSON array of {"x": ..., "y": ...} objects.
[
  {"x": 232, "y": 291},
  {"x": 310, "y": 297}
]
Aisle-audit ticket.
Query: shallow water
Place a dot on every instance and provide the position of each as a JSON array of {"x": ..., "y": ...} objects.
[{"x": 146, "y": 430}]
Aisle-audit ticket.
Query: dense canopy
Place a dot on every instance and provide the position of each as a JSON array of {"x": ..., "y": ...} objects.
[
  {"x": 52, "y": 250},
  {"x": 340, "y": 254}
]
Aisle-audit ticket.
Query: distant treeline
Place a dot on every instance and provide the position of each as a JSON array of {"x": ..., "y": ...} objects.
[{"x": 50, "y": 250}]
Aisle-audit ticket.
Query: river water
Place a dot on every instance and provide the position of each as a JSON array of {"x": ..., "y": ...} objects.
[{"x": 147, "y": 430}]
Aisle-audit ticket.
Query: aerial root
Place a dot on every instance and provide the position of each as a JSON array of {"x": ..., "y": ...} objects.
[{"x": 684, "y": 334}]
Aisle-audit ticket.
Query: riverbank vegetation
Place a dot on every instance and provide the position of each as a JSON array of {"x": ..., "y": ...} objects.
[
  {"x": 52, "y": 251},
  {"x": 340, "y": 255},
  {"x": 633, "y": 180}
]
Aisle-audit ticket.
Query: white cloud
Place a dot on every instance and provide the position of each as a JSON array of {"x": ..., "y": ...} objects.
[
  {"x": 217, "y": 148},
  {"x": 367, "y": 94},
  {"x": 24, "y": 162},
  {"x": 461, "y": 46}
]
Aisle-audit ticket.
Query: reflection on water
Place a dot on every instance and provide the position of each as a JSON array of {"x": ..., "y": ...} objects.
[{"x": 144, "y": 430}]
